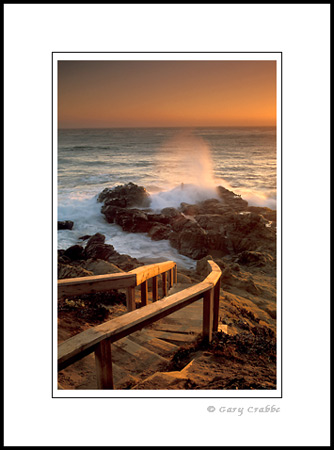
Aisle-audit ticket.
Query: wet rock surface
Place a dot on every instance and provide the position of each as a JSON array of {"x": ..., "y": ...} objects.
[
  {"x": 125, "y": 196},
  {"x": 226, "y": 226},
  {"x": 95, "y": 259},
  {"x": 65, "y": 224}
]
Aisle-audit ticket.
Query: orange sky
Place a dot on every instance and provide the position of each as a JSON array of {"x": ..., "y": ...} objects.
[{"x": 94, "y": 94}]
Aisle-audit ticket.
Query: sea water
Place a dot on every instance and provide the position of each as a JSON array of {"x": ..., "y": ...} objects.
[{"x": 174, "y": 164}]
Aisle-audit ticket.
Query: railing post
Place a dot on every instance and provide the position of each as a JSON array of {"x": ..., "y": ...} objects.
[
  {"x": 130, "y": 299},
  {"x": 175, "y": 274},
  {"x": 144, "y": 293},
  {"x": 103, "y": 365},
  {"x": 164, "y": 284},
  {"x": 171, "y": 281},
  {"x": 208, "y": 314},
  {"x": 216, "y": 297},
  {"x": 155, "y": 289}
]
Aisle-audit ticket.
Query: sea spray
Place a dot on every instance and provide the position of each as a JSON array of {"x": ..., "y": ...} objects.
[{"x": 186, "y": 162}]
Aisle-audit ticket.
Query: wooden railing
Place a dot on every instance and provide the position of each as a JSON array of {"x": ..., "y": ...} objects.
[
  {"x": 126, "y": 280},
  {"x": 98, "y": 339}
]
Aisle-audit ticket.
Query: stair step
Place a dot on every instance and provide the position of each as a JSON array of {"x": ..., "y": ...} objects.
[
  {"x": 134, "y": 357},
  {"x": 154, "y": 344},
  {"x": 122, "y": 379},
  {"x": 174, "y": 338},
  {"x": 188, "y": 328}
]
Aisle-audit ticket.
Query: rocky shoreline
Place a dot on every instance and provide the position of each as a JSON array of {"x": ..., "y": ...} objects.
[
  {"x": 223, "y": 228},
  {"x": 240, "y": 238}
]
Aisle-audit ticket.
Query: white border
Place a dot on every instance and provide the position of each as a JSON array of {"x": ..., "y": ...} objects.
[
  {"x": 268, "y": 394},
  {"x": 31, "y": 33}
]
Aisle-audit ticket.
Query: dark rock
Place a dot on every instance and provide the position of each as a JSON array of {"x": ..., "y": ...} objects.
[
  {"x": 98, "y": 238},
  {"x": 62, "y": 258},
  {"x": 219, "y": 241},
  {"x": 221, "y": 263},
  {"x": 267, "y": 213},
  {"x": 217, "y": 238},
  {"x": 191, "y": 241},
  {"x": 211, "y": 206},
  {"x": 227, "y": 276},
  {"x": 99, "y": 251},
  {"x": 65, "y": 224},
  {"x": 100, "y": 267},
  {"x": 189, "y": 210},
  {"x": 74, "y": 253},
  {"x": 254, "y": 258},
  {"x": 125, "y": 196},
  {"x": 231, "y": 199},
  {"x": 110, "y": 212},
  {"x": 160, "y": 218},
  {"x": 202, "y": 267},
  {"x": 248, "y": 231},
  {"x": 159, "y": 232},
  {"x": 247, "y": 223},
  {"x": 133, "y": 220},
  {"x": 222, "y": 227},
  {"x": 170, "y": 212},
  {"x": 180, "y": 223},
  {"x": 124, "y": 262},
  {"x": 69, "y": 271},
  {"x": 96, "y": 248}
]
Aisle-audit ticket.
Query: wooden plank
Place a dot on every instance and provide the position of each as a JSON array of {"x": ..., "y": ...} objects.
[
  {"x": 146, "y": 272},
  {"x": 155, "y": 294},
  {"x": 98, "y": 283},
  {"x": 171, "y": 280},
  {"x": 208, "y": 314},
  {"x": 103, "y": 365},
  {"x": 156, "y": 345},
  {"x": 177, "y": 328},
  {"x": 139, "y": 352},
  {"x": 164, "y": 284},
  {"x": 144, "y": 293},
  {"x": 216, "y": 297},
  {"x": 213, "y": 277},
  {"x": 128, "y": 323},
  {"x": 130, "y": 299},
  {"x": 173, "y": 338},
  {"x": 175, "y": 274}
]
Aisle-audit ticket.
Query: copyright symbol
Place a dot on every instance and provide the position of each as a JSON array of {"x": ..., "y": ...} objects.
[{"x": 211, "y": 408}]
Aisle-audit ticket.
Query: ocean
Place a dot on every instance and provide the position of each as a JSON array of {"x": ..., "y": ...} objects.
[{"x": 160, "y": 159}]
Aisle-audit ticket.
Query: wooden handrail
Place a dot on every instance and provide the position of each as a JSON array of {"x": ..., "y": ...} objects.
[
  {"x": 146, "y": 272},
  {"x": 128, "y": 280},
  {"x": 98, "y": 338}
]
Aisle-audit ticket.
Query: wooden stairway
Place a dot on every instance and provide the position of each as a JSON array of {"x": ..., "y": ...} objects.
[{"x": 143, "y": 352}]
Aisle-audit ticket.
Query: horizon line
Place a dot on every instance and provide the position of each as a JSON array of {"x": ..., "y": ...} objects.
[{"x": 170, "y": 126}]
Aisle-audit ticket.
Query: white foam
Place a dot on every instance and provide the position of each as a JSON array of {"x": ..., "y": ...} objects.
[
  {"x": 258, "y": 198},
  {"x": 88, "y": 219},
  {"x": 186, "y": 193}
]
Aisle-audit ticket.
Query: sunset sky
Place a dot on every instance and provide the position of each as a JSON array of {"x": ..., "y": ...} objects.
[{"x": 101, "y": 94}]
